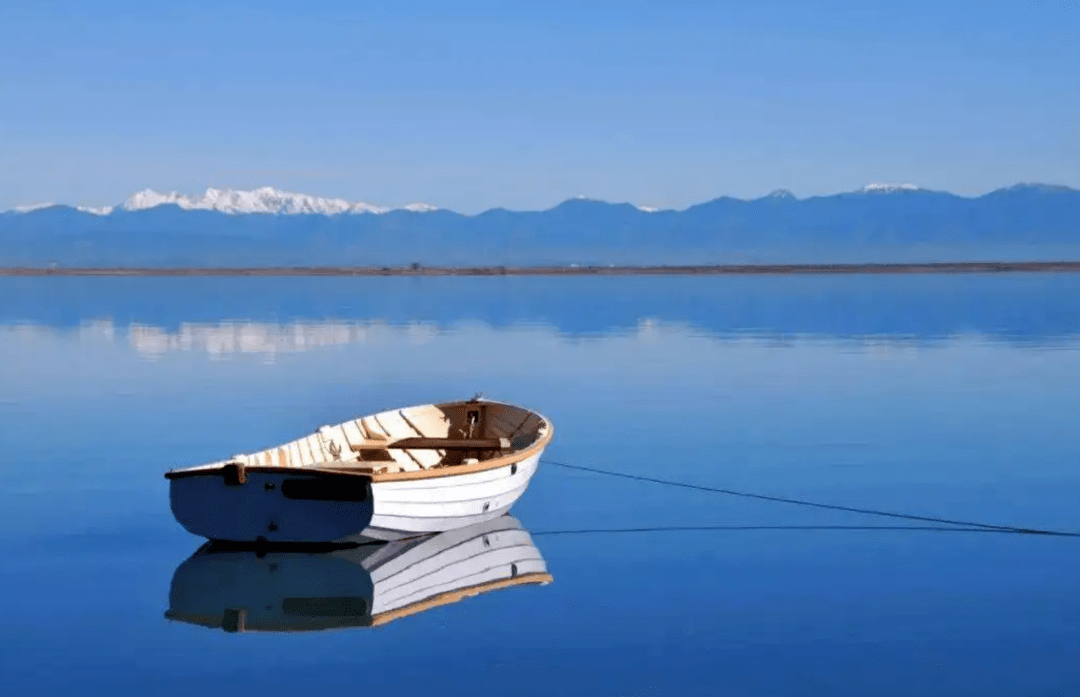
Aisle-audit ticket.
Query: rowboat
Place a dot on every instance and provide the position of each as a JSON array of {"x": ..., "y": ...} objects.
[
  {"x": 369, "y": 585},
  {"x": 402, "y": 472}
]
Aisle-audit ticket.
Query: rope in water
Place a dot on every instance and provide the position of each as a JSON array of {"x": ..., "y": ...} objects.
[
  {"x": 705, "y": 528},
  {"x": 814, "y": 504}
]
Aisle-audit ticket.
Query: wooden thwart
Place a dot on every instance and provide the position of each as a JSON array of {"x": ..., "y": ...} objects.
[{"x": 437, "y": 444}]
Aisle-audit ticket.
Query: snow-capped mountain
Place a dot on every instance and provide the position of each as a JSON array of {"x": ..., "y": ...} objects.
[
  {"x": 269, "y": 200},
  {"x": 879, "y": 222},
  {"x": 103, "y": 210},
  {"x": 883, "y": 188},
  {"x": 262, "y": 200},
  {"x": 419, "y": 208},
  {"x": 30, "y": 208}
]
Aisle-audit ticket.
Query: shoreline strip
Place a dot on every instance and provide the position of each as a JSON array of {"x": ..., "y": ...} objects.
[{"x": 672, "y": 270}]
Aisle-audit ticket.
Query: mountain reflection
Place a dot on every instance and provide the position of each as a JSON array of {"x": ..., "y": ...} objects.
[
  {"x": 270, "y": 340},
  {"x": 364, "y": 586},
  {"x": 228, "y": 315},
  {"x": 263, "y": 338}
]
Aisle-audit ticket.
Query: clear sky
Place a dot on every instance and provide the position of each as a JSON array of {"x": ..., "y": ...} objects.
[{"x": 471, "y": 105}]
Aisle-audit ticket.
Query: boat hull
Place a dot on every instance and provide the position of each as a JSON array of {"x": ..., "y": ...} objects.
[
  {"x": 436, "y": 504},
  {"x": 261, "y": 509}
]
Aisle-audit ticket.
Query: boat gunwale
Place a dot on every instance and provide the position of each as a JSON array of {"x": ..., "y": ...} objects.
[
  {"x": 375, "y": 477},
  {"x": 456, "y": 470}
]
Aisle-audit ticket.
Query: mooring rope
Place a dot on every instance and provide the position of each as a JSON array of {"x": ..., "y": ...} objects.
[
  {"x": 814, "y": 504},
  {"x": 706, "y": 528}
]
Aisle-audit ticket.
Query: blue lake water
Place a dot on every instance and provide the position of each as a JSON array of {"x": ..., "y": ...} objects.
[{"x": 941, "y": 396}]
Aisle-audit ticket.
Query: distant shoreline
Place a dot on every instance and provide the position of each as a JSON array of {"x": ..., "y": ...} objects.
[{"x": 635, "y": 270}]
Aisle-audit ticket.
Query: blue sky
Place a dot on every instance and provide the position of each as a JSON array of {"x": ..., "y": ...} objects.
[{"x": 482, "y": 104}]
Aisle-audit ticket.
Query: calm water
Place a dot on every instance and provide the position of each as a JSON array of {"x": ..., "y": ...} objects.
[{"x": 947, "y": 396}]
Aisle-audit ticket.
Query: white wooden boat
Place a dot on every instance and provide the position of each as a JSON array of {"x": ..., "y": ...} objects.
[
  {"x": 401, "y": 472},
  {"x": 365, "y": 586}
]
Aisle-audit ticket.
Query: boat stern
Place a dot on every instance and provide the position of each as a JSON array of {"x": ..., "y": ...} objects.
[{"x": 266, "y": 504}]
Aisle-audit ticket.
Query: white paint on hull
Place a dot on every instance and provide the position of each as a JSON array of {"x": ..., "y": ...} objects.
[
  {"x": 460, "y": 487},
  {"x": 468, "y": 498},
  {"x": 469, "y": 479},
  {"x": 394, "y": 530}
]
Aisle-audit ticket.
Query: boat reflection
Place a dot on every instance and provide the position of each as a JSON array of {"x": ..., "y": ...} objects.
[{"x": 364, "y": 586}]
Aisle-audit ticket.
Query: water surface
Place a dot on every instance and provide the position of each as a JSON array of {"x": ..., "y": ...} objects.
[{"x": 938, "y": 396}]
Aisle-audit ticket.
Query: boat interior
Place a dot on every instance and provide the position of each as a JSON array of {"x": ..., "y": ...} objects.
[{"x": 411, "y": 439}]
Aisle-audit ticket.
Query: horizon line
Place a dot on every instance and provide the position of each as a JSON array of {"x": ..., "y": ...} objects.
[{"x": 942, "y": 267}]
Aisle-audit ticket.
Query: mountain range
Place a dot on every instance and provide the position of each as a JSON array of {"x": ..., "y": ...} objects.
[{"x": 267, "y": 227}]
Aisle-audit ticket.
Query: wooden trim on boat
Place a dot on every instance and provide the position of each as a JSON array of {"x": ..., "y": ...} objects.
[
  {"x": 459, "y": 594},
  {"x": 271, "y": 469},
  {"x": 236, "y": 471},
  {"x": 454, "y": 470},
  {"x": 422, "y": 443}
]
